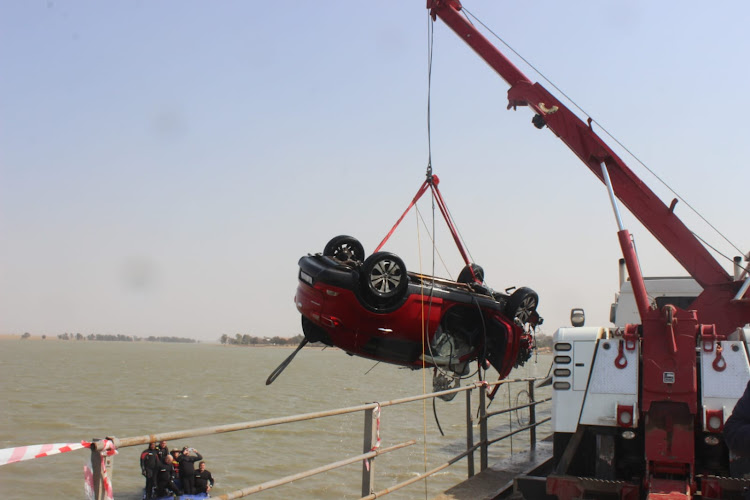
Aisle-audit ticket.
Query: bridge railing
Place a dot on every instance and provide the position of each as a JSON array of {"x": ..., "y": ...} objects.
[{"x": 101, "y": 448}]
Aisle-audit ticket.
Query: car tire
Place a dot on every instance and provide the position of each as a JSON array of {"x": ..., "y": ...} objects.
[
  {"x": 465, "y": 275},
  {"x": 522, "y": 304},
  {"x": 345, "y": 248},
  {"x": 384, "y": 276}
]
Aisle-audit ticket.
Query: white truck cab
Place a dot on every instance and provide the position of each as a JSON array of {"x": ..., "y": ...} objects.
[{"x": 679, "y": 291}]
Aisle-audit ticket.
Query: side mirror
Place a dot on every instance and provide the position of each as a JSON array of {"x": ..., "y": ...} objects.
[{"x": 577, "y": 317}]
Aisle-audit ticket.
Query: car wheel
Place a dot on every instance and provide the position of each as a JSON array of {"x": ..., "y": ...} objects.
[
  {"x": 522, "y": 304},
  {"x": 345, "y": 248},
  {"x": 465, "y": 275},
  {"x": 384, "y": 275}
]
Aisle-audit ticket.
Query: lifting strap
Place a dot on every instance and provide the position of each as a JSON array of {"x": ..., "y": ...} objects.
[{"x": 432, "y": 182}]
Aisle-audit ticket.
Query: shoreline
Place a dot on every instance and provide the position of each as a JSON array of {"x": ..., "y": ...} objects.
[{"x": 38, "y": 338}]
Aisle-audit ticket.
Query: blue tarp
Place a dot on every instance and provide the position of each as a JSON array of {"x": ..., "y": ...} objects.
[{"x": 183, "y": 497}]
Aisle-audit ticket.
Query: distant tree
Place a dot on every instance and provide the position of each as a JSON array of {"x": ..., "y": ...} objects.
[
  {"x": 295, "y": 340},
  {"x": 175, "y": 339},
  {"x": 44, "y": 337},
  {"x": 79, "y": 336},
  {"x": 26, "y": 335},
  {"x": 543, "y": 341},
  {"x": 224, "y": 338},
  {"x": 63, "y": 336}
]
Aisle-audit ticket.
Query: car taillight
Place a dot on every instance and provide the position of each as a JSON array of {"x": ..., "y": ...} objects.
[{"x": 330, "y": 320}]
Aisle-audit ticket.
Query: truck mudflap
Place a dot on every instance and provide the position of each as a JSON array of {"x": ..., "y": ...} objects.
[
  {"x": 709, "y": 487},
  {"x": 716, "y": 487},
  {"x": 571, "y": 487}
]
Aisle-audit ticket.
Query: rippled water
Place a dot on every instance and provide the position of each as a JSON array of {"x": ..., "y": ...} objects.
[{"x": 58, "y": 391}]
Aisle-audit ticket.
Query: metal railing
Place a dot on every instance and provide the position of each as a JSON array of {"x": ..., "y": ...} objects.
[{"x": 370, "y": 447}]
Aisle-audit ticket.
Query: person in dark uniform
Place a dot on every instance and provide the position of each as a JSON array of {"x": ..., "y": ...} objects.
[
  {"x": 162, "y": 450},
  {"x": 175, "y": 456},
  {"x": 737, "y": 437},
  {"x": 149, "y": 458},
  {"x": 737, "y": 427},
  {"x": 203, "y": 479},
  {"x": 165, "y": 478},
  {"x": 187, "y": 469}
]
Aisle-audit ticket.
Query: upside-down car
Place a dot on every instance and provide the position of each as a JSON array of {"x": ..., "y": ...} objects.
[{"x": 372, "y": 307}]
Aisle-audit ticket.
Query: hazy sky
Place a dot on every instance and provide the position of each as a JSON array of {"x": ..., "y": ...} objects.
[{"x": 164, "y": 164}]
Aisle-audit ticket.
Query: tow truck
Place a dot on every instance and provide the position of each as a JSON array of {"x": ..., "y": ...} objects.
[{"x": 638, "y": 410}]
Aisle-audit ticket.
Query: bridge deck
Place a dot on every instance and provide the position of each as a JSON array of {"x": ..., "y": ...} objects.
[{"x": 496, "y": 481}]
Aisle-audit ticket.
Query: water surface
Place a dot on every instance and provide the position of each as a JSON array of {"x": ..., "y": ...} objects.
[{"x": 65, "y": 391}]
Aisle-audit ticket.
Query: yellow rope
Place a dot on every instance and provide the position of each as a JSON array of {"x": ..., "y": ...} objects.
[{"x": 424, "y": 376}]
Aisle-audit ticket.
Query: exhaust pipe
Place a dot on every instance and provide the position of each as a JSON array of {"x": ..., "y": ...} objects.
[{"x": 738, "y": 268}]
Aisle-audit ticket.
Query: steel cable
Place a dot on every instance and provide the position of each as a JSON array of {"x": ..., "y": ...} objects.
[{"x": 626, "y": 149}]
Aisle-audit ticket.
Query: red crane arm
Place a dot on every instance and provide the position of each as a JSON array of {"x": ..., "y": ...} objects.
[{"x": 659, "y": 219}]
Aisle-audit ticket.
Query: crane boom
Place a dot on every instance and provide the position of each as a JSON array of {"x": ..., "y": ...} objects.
[{"x": 658, "y": 218}]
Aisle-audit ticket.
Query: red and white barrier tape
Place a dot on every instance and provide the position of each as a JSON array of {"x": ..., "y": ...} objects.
[
  {"x": 88, "y": 473},
  {"x": 88, "y": 482},
  {"x": 376, "y": 412},
  {"x": 20, "y": 453}
]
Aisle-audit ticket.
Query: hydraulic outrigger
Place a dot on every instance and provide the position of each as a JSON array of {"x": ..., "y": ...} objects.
[{"x": 674, "y": 349}]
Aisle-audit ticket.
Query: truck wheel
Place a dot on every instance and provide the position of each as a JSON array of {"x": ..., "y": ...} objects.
[
  {"x": 345, "y": 248},
  {"x": 384, "y": 276},
  {"x": 522, "y": 304}
]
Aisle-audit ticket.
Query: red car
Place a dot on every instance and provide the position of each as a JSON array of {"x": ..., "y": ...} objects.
[{"x": 372, "y": 307}]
